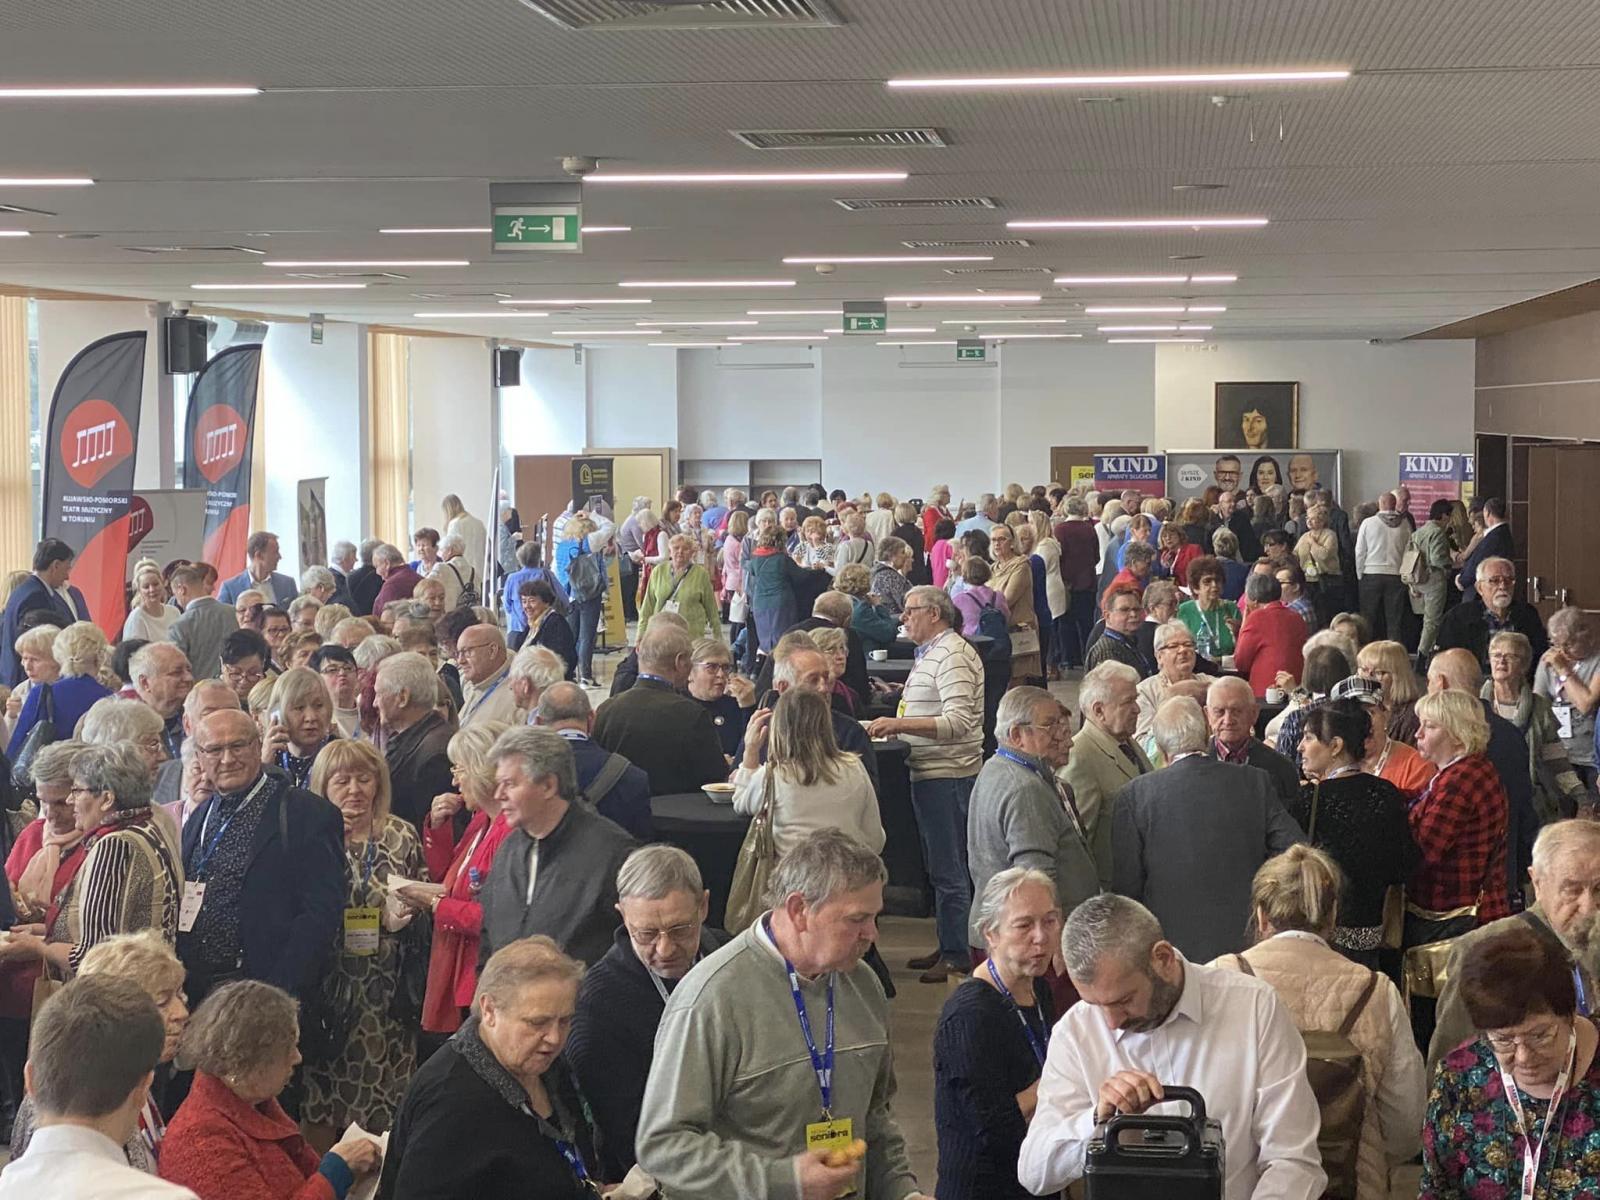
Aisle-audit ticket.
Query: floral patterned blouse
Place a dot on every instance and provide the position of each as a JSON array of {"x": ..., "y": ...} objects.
[{"x": 1472, "y": 1150}]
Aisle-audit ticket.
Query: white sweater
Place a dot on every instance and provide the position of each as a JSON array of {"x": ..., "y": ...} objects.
[
  {"x": 847, "y": 804},
  {"x": 1381, "y": 545}
]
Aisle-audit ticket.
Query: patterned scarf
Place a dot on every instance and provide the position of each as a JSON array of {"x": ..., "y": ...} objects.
[{"x": 37, "y": 884}]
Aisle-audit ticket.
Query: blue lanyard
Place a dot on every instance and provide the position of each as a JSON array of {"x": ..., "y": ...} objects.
[
  {"x": 483, "y": 699},
  {"x": 198, "y": 871},
  {"x": 1143, "y": 661},
  {"x": 657, "y": 678},
  {"x": 574, "y": 1160},
  {"x": 371, "y": 859},
  {"x": 822, "y": 1063},
  {"x": 1033, "y": 1038},
  {"x": 1581, "y": 991}
]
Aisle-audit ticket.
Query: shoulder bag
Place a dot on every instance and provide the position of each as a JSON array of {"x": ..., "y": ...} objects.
[
  {"x": 758, "y": 856},
  {"x": 40, "y": 736}
]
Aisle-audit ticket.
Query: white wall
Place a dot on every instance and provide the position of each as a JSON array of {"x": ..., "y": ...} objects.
[
  {"x": 1069, "y": 394},
  {"x": 1370, "y": 401},
  {"x": 632, "y": 397},
  {"x": 67, "y": 326},
  {"x": 314, "y": 417},
  {"x": 547, "y": 414},
  {"x": 452, "y": 424}
]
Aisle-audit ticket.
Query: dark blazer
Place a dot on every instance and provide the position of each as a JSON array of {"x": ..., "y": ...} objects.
[
  {"x": 419, "y": 768},
  {"x": 1284, "y": 774},
  {"x": 668, "y": 736},
  {"x": 628, "y": 801},
  {"x": 554, "y": 634},
  {"x": 32, "y": 594},
  {"x": 1496, "y": 543},
  {"x": 341, "y": 590},
  {"x": 292, "y": 902},
  {"x": 1508, "y": 752},
  {"x": 855, "y": 662},
  {"x": 1466, "y": 627},
  {"x": 364, "y": 584},
  {"x": 280, "y": 588},
  {"x": 1186, "y": 841}
]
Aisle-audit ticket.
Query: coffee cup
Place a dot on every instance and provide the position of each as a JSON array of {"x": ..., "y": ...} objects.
[
  {"x": 878, "y": 655},
  {"x": 1275, "y": 695}
]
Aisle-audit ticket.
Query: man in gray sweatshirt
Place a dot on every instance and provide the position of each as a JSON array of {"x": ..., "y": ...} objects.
[{"x": 775, "y": 1049}]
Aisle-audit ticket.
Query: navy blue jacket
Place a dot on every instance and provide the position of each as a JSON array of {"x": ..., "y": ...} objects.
[
  {"x": 628, "y": 801},
  {"x": 291, "y": 908},
  {"x": 32, "y": 594}
]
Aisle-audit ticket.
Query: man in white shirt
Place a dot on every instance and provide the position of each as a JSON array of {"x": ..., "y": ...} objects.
[
  {"x": 92, "y": 1058},
  {"x": 1151, "y": 1018}
]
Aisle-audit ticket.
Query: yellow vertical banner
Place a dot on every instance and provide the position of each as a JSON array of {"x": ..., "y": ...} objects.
[{"x": 611, "y": 616}]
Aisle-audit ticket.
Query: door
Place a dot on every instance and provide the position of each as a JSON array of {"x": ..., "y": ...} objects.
[
  {"x": 542, "y": 487},
  {"x": 1065, "y": 461},
  {"x": 1563, "y": 550}
]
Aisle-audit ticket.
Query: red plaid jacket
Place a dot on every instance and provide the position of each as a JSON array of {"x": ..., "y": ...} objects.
[{"x": 1459, "y": 824}]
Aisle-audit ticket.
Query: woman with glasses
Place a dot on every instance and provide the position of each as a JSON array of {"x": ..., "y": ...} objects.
[
  {"x": 80, "y": 650},
  {"x": 1175, "y": 663},
  {"x": 729, "y": 698},
  {"x": 1516, "y": 1111},
  {"x": 342, "y": 677},
  {"x": 1567, "y": 677},
  {"x": 1387, "y": 664},
  {"x": 1213, "y": 620},
  {"x": 1557, "y": 790},
  {"x": 1012, "y": 576},
  {"x": 250, "y": 607}
]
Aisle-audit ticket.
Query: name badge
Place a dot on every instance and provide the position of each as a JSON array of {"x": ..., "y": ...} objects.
[
  {"x": 671, "y": 606},
  {"x": 361, "y": 931},
  {"x": 1563, "y": 719},
  {"x": 194, "y": 895},
  {"x": 835, "y": 1138}
]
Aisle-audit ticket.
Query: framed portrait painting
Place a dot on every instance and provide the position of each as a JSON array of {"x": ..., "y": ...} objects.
[{"x": 1258, "y": 416}]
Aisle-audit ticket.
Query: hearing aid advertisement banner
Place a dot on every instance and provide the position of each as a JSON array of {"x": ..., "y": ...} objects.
[
  {"x": 218, "y": 437},
  {"x": 90, "y": 450}
]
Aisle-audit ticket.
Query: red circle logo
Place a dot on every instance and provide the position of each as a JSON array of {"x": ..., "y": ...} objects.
[
  {"x": 219, "y": 441},
  {"x": 94, "y": 440}
]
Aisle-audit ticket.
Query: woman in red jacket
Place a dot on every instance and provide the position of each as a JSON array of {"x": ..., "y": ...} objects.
[
  {"x": 231, "y": 1139},
  {"x": 935, "y": 510}
]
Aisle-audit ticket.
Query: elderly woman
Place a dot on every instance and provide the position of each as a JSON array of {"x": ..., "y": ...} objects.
[
  {"x": 364, "y": 1079},
  {"x": 433, "y": 594},
  {"x": 1012, "y": 577},
  {"x": 151, "y": 617},
  {"x": 543, "y": 624},
  {"x": 298, "y": 649},
  {"x": 733, "y": 557},
  {"x": 231, "y": 1139},
  {"x": 1212, "y": 619},
  {"x": 1531, "y": 1068},
  {"x": 1161, "y": 600},
  {"x": 80, "y": 650},
  {"x": 711, "y": 682},
  {"x": 1176, "y": 552},
  {"x": 891, "y": 577},
  {"x": 770, "y": 580},
  {"x": 1357, "y": 819},
  {"x": 989, "y": 1044},
  {"x": 1557, "y": 790},
  {"x": 874, "y": 623},
  {"x": 683, "y": 586},
  {"x": 1318, "y": 552},
  {"x": 148, "y": 961},
  {"x": 1225, "y": 546},
  {"x": 834, "y": 646},
  {"x": 1175, "y": 663},
  {"x": 496, "y": 1112},
  {"x": 1387, "y": 756},
  {"x": 1027, "y": 535},
  {"x": 328, "y": 618},
  {"x": 815, "y": 550},
  {"x": 1458, "y": 823},
  {"x": 972, "y": 602},
  {"x": 117, "y": 722},
  {"x": 806, "y": 783},
  {"x": 352, "y": 631},
  {"x": 855, "y": 546},
  {"x": 341, "y": 676},
  {"x": 35, "y": 653},
  {"x": 1326, "y": 665},
  {"x": 299, "y": 723},
  {"x": 1566, "y": 676},
  {"x": 910, "y": 532},
  {"x": 303, "y": 610},
  {"x": 1295, "y": 899},
  {"x": 1388, "y": 664}
]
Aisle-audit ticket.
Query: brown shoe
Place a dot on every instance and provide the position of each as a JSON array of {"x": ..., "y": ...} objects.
[
  {"x": 923, "y": 962},
  {"x": 938, "y": 973}
]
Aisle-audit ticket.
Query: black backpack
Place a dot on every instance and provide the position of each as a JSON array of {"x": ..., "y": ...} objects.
[{"x": 992, "y": 624}]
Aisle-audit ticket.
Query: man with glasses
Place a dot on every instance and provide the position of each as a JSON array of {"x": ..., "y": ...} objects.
[
  {"x": 663, "y": 905},
  {"x": 263, "y": 868},
  {"x": 729, "y": 698},
  {"x": 245, "y": 658},
  {"x": 1124, "y": 613},
  {"x": 486, "y": 693},
  {"x": 1495, "y": 609},
  {"x": 616, "y": 788}
]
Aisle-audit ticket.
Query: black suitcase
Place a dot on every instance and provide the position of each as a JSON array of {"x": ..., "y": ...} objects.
[{"x": 1157, "y": 1158}]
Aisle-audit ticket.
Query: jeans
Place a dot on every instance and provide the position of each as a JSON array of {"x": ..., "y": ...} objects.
[
  {"x": 940, "y": 806},
  {"x": 584, "y": 617},
  {"x": 629, "y": 574}
]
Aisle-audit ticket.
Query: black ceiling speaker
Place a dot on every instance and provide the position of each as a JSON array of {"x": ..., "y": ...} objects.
[
  {"x": 507, "y": 367},
  {"x": 184, "y": 345}
]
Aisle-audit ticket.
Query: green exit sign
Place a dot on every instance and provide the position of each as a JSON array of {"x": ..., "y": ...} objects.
[
  {"x": 971, "y": 350},
  {"x": 875, "y": 323},
  {"x": 538, "y": 227}
]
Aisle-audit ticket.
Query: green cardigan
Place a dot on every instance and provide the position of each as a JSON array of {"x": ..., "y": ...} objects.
[{"x": 697, "y": 603}]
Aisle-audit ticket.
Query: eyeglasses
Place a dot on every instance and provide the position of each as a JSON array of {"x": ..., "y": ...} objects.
[
  {"x": 470, "y": 650},
  {"x": 244, "y": 749},
  {"x": 677, "y": 934},
  {"x": 1536, "y": 1042},
  {"x": 81, "y": 791},
  {"x": 339, "y": 669},
  {"x": 911, "y": 608},
  {"x": 715, "y": 668},
  {"x": 1498, "y": 580},
  {"x": 1178, "y": 646}
]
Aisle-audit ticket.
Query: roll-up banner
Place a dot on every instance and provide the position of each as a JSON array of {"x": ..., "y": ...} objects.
[
  {"x": 311, "y": 505},
  {"x": 1191, "y": 472},
  {"x": 218, "y": 437},
  {"x": 591, "y": 480},
  {"x": 165, "y": 525},
  {"x": 1436, "y": 476},
  {"x": 1145, "y": 473},
  {"x": 89, "y": 455}
]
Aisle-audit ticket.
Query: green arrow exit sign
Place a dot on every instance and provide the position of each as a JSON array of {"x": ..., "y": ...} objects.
[
  {"x": 866, "y": 316},
  {"x": 971, "y": 350},
  {"x": 538, "y": 227}
]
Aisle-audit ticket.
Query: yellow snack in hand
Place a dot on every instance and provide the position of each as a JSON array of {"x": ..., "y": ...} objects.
[{"x": 853, "y": 1153}]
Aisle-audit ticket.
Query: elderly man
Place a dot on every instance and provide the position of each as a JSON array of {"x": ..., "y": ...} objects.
[
  {"x": 1272, "y": 638},
  {"x": 1105, "y": 756},
  {"x": 459, "y": 577},
  {"x": 263, "y": 867},
  {"x": 303, "y": 610},
  {"x": 831, "y": 610},
  {"x": 46, "y": 589},
  {"x": 162, "y": 679},
  {"x": 663, "y": 905},
  {"x": 1494, "y": 609},
  {"x": 406, "y": 692},
  {"x": 1124, "y": 613},
  {"x": 1148, "y": 1016},
  {"x": 342, "y": 562},
  {"x": 204, "y": 620},
  {"x": 799, "y": 664},
  {"x": 667, "y": 735},
  {"x": 793, "y": 981},
  {"x": 556, "y": 873},
  {"x": 1022, "y": 815},
  {"x": 364, "y": 582},
  {"x": 1231, "y": 711},
  {"x": 399, "y": 579},
  {"x": 204, "y": 698},
  {"x": 1566, "y": 890},
  {"x": 1291, "y": 577},
  {"x": 983, "y": 519},
  {"x": 534, "y": 669},
  {"x": 611, "y": 784},
  {"x": 1380, "y": 546},
  {"x": 261, "y": 572},
  {"x": 320, "y": 583},
  {"x": 485, "y": 689},
  {"x": 941, "y": 720},
  {"x": 1188, "y": 839}
]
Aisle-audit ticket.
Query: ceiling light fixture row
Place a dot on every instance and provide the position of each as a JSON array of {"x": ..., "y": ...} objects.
[
  {"x": 1160, "y": 79},
  {"x": 1107, "y": 280}
]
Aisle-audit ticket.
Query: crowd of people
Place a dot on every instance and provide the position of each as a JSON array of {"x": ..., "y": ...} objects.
[{"x": 354, "y": 878}]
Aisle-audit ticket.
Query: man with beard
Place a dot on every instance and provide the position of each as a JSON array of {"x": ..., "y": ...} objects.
[
  {"x": 1149, "y": 1015},
  {"x": 1566, "y": 889},
  {"x": 1495, "y": 609}
]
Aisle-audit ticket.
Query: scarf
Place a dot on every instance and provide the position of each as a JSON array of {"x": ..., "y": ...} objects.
[{"x": 37, "y": 883}]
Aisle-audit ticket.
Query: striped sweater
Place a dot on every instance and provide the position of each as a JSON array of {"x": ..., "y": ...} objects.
[
  {"x": 947, "y": 685},
  {"x": 129, "y": 882}
]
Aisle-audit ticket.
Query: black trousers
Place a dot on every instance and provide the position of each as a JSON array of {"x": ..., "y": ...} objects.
[{"x": 1385, "y": 601}]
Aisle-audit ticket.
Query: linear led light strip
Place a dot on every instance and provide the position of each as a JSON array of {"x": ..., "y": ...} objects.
[
  {"x": 1144, "y": 341},
  {"x": 567, "y": 303},
  {"x": 122, "y": 93},
  {"x": 752, "y": 177},
  {"x": 276, "y": 287},
  {"x": 989, "y": 337},
  {"x": 706, "y": 283},
  {"x": 1018, "y": 298},
  {"x": 364, "y": 262},
  {"x": 476, "y": 316},
  {"x": 1102, "y": 280},
  {"x": 1094, "y": 310},
  {"x": 906, "y": 329},
  {"x": 933, "y": 343},
  {"x": 792, "y": 312},
  {"x": 1154, "y": 329},
  {"x": 605, "y": 333},
  {"x": 1145, "y": 223},
  {"x": 444, "y": 229},
  {"x": 848, "y": 259},
  {"x": 47, "y": 181},
  {"x": 14, "y": 233},
  {"x": 779, "y": 337},
  {"x": 694, "y": 324},
  {"x": 691, "y": 345},
  {"x": 1178, "y": 78},
  {"x": 1010, "y": 321}
]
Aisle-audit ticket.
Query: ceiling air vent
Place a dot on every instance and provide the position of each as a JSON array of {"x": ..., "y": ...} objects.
[
  {"x": 864, "y": 203},
  {"x": 24, "y": 210},
  {"x": 687, "y": 14},
  {"x": 998, "y": 271},
  {"x": 379, "y": 276},
  {"x": 840, "y": 139},
  {"x": 970, "y": 244},
  {"x": 193, "y": 249}
]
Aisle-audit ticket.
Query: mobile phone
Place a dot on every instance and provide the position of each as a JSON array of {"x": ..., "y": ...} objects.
[{"x": 275, "y": 717}]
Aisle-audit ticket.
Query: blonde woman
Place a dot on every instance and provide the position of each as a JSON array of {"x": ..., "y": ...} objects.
[
  {"x": 1318, "y": 552},
  {"x": 36, "y": 653},
  {"x": 1388, "y": 665},
  {"x": 815, "y": 551},
  {"x": 880, "y": 522},
  {"x": 80, "y": 650},
  {"x": 810, "y": 782},
  {"x": 328, "y": 618},
  {"x": 937, "y": 509},
  {"x": 683, "y": 586},
  {"x": 460, "y": 523},
  {"x": 584, "y": 612},
  {"x": 855, "y": 546},
  {"x": 299, "y": 723},
  {"x": 151, "y": 617}
]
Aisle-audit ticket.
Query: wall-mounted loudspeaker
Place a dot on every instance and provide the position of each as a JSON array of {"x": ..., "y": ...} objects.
[
  {"x": 184, "y": 345},
  {"x": 507, "y": 368}
]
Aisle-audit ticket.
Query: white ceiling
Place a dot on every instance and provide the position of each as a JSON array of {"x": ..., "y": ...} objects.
[{"x": 1455, "y": 173}]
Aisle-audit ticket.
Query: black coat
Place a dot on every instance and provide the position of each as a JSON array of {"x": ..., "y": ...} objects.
[
  {"x": 1284, "y": 774},
  {"x": 419, "y": 768},
  {"x": 1495, "y": 543},
  {"x": 364, "y": 583},
  {"x": 1466, "y": 627},
  {"x": 669, "y": 737},
  {"x": 554, "y": 634}
]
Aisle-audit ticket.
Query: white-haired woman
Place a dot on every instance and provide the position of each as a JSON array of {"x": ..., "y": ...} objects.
[
  {"x": 1557, "y": 790},
  {"x": 80, "y": 650},
  {"x": 935, "y": 510},
  {"x": 300, "y": 723},
  {"x": 457, "y": 572},
  {"x": 35, "y": 653},
  {"x": 151, "y": 617},
  {"x": 683, "y": 586},
  {"x": 1175, "y": 657}
]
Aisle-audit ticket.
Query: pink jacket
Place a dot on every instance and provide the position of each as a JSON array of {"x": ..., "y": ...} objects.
[{"x": 732, "y": 567}]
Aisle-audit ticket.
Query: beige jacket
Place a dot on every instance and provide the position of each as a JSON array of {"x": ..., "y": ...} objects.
[
  {"x": 1096, "y": 772},
  {"x": 1319, "y": 986}
]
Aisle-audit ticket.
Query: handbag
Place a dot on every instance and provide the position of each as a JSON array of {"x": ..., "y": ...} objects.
[
  {"x": 40, "y": 736},
  {"x": 1024, "y": 641},
  {"x": 43, "y": 988},
  {"x": 758, "y": 855},
  {"x": 738, "y": 608}
]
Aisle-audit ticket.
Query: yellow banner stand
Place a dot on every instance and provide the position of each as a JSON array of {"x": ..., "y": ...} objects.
[{"x": 612, "y": 623}]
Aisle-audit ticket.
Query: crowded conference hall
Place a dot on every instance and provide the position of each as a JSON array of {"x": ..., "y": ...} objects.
[{"x": 789, "y": 599}]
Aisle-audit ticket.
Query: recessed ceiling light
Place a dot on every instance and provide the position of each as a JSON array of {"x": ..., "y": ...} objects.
[
  {"x": 779, "y": 337},
  {"x": 935, "y": 343},
  {"x": 1207, "y": 308},
  {"x": 477, "y": 316},
  {"x": 1152, "y": 309},
  {"x": 439, "y": 229},
  {"x": 46, "y": 181},
  {"x": 901, "y": 329},
  {"x": 1018, "y": 298},
  {"x": 1143, "y": 341},
  {"x": 572, "y": 303},
  {"x": 754, "y": 177},
  {"x": 892, "y": 258},
  {"x": 1093, "y": 280},
  {"x": 593, "y": 229},
  {"x": 706, "y": 283},
  {"x": 1213, "y": 279},
  {"x": 365, "y": 262},
  {"x": 122, "y": 93},
  {"x": 1151, "y": 80},
  {"x": 1137, "y": 329},
  {"x": 1146, "y": 223},
  {"x": 1011, "y": 321},
  {"x": 605, "y": 332},
  {"x": 694, "y": 324},
  {"x": 14, "y": 233},
  {"x": 793, "y": 312},
  {"x": 1194, "y": 328},
  {"x": 276, "y": 287},
  {"x": 1015, "y": 336}
]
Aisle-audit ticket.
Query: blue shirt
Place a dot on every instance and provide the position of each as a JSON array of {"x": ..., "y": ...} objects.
[{"x": 976, "y": 524}]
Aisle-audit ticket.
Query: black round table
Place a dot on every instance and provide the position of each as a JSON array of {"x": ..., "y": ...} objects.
[
  {"x": 894, "y": 670},
  {"x": 906, "y": 648}
]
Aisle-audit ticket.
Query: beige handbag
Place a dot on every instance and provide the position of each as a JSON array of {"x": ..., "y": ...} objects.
[{"x": 747, "y": 895}]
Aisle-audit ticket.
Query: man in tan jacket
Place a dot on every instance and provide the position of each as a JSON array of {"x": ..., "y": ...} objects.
[{"x": 1104, "y": 756}]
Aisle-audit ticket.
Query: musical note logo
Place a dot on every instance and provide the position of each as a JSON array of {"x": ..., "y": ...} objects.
[
  {"x": 94, "y": 440},
  {"x": 220, "y": 437}
]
